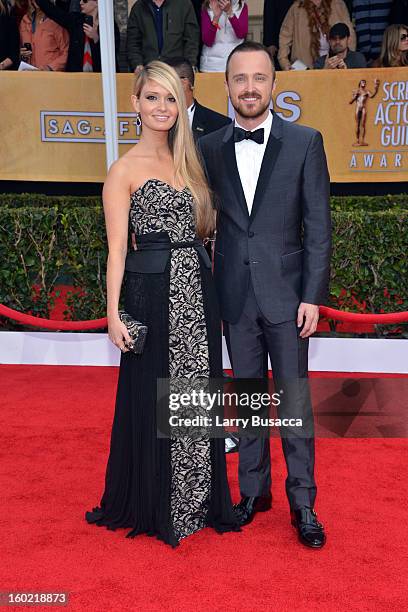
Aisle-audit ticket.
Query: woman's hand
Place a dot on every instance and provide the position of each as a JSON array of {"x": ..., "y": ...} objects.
[
  {"x": 226, "y": 7},
  {"x": 25, "y": 54},
  {"x": 118, "y": 333},
  {"x": 91, "y": 32},
  {"x": 216, "y": 8}
]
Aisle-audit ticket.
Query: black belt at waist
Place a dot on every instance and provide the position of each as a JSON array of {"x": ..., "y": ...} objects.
[
  {"x": 167, "y": 246},
  {"x": 153, "y": 251}
]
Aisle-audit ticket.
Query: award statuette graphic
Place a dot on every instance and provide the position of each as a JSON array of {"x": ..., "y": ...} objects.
[{"x": 361, "y": 97}]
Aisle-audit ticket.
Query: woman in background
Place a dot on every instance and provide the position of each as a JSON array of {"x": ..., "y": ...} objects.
[
  {"x": 84, "y": 48},
  {"x": 394, "y": 49},
  {"x": 305, "y": 30},
  {"x": 48, "y": 41},
  {"x": 224, "y": 25}
]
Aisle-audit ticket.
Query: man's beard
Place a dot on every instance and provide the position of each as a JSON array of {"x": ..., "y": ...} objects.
[{"x": 250, "y": 114}]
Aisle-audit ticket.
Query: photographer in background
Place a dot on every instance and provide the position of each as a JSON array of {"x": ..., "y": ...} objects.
[
  {"x": 44, "y": 43},
  {"x": 340, "y": 56},
  {"x": 84, "y": 53},
  {"x": 9, "y": 38}
]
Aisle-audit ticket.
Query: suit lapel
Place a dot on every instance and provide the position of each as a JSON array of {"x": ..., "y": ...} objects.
[
  {"x": 272, "y": 150},
  {"x": 228, "y": 153}
]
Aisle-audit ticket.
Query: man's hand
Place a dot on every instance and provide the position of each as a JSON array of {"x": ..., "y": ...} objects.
[
  {"x": 309, "y": 313},
  {"x": 333, "y": 62}
]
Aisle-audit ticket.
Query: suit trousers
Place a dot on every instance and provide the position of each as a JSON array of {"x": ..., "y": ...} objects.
[{"x": 246, "y": 342}]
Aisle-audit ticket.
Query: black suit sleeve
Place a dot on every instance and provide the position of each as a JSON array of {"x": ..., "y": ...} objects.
[
  {"x": 316, "y": 224},
  {"x": 201, "y": 157}
]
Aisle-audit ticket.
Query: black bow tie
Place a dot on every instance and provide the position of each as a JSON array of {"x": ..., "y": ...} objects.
[{"x": 256, "y": 136}]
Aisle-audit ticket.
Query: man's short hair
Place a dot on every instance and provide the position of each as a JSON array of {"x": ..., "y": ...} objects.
[
  {"x": 247, "y": 46},
  {"x": 183, "y": 67},
  {"x": 339, "y": 29}
]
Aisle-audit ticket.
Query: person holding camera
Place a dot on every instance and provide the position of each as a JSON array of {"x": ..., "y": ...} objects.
[
  {"x": 340, "y": 56},
  {"x": 304, "y": 33},
  {"x": 44, "y": 43},
  {"x": 84, "y": 53}
]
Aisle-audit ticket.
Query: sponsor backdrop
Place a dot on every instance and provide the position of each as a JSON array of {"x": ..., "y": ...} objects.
[{"x": 52, "y": 125}]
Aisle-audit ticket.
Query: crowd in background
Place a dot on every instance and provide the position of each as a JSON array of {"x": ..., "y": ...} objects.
[{"x": 58, "y": 35}]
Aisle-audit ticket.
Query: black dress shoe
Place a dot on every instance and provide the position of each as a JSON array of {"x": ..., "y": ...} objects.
[
  {"x": 310, "y": 531},
  {"x": 249, "y": 506}
]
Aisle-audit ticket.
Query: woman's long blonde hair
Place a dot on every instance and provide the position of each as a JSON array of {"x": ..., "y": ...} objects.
[
  {"x": 390, "y": 53},
  {"x": 188, "y": 170}
]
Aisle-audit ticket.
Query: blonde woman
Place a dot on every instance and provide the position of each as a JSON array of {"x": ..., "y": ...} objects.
[
  {"x": 157, "y": 190},
  {"x": 305, "y": 29},
  {"x": 394, "y": 49}
]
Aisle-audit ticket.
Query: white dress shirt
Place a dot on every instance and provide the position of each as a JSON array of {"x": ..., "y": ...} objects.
[
  {"x": 190, "y": 112},
  {"x": 249, "y": 155}
]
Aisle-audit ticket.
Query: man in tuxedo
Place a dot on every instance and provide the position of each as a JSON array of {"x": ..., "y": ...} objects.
[
  {"x": 271, "y": 269},
  {"x": 203, "y": 120}
]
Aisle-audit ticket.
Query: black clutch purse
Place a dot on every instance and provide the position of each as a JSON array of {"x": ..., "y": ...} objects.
[{"x": 137, "y": 331}]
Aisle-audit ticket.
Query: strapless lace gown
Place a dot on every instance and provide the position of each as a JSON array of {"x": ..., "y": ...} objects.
[{"x": 167, "y": 488}]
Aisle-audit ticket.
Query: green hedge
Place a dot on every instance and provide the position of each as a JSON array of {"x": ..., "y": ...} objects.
[{"x": 46, "y": 241}]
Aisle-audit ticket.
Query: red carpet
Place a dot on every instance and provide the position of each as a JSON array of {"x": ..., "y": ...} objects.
[{"x": 55, "y": 425}]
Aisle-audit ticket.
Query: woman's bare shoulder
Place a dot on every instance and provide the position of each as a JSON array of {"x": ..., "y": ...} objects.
[
  {"x": 122, "y": 171},
  {"x": 129, "y": 167}
]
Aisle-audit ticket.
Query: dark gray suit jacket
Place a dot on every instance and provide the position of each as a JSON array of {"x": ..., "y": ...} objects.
[{"x": 284, "y": 246}]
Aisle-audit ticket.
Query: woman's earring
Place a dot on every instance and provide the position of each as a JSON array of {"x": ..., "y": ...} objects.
[{"x": 138, "y": 121}]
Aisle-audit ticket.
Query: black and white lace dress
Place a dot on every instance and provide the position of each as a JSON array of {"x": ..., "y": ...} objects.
[{"x": 168, "y": 488}]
